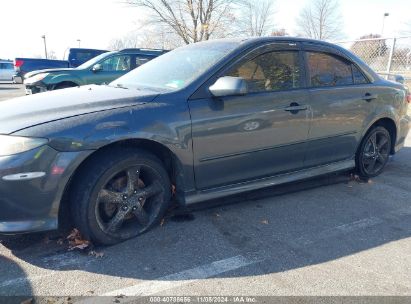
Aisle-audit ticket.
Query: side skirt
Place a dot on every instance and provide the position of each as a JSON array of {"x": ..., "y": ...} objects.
[{"x": 209, "y": 194}]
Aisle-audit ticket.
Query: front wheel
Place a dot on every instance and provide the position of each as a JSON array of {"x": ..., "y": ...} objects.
[
  {"x": 374, "y": 152},
  {"x": 64, "y": 85},
  {"x": 120, "y": 195}
]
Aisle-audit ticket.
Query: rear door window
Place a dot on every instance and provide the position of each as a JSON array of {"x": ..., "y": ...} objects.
[
  {"x": 359, "y": 77},
  {"x": 140, "y": 60},
  {"x": 326, "y": 70}
]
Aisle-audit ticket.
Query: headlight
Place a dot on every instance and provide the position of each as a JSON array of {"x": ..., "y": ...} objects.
[
  {"x": 10, "y": 145},
  {"x": 36, "y": 78}
]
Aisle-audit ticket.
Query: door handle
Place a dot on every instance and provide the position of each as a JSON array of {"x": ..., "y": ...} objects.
[
  {"x": 294, "y": 108},
  {"x": 368, "y": 97}
]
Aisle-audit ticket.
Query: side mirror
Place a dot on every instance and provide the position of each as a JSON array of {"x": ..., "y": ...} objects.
[
  {"x": 97, "y": 67},
  {"x": 229, "y": 86}
]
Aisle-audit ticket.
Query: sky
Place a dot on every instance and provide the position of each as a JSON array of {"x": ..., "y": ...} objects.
[{"x": 97, "y": 22}]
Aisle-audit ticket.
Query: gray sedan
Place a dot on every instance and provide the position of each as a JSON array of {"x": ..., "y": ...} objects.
[{"x": 201, "y": 122}]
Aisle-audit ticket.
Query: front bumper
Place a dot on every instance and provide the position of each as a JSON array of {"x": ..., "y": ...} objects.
[
  {"x": 32, "y": 186},
  {"x": 34, "y": 88}
]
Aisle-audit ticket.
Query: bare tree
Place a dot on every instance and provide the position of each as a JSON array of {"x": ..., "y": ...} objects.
[
  {"x": 321, "y": 19},
  {"x": 192, "y": 20},
  {"x": 256, "y": 17},
  {"x": 51, "y": 55},
  {"x": 116, "y": 44},
  {"x": 280, "y": 33},
  {"x": 156, "y": 37}
]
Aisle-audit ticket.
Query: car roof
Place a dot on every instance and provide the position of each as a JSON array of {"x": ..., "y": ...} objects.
[
  {"x": 143, "y": 51},
  {"x": 87, "y": 50},
  {"x": 254, "y": 40}
]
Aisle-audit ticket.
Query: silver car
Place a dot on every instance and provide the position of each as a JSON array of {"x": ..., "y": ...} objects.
[{"x": 6, "y": 70}]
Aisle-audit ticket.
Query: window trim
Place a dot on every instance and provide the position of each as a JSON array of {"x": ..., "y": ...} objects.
[
  {"x": 335, "y": 55},
  {"x": 367, "y": 81},
  {"x": 294, "y": 46}
]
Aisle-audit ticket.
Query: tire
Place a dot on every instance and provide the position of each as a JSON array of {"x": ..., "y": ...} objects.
[
  {"x": 373, "y": 153},
  {"x": 119, "y": 195}
]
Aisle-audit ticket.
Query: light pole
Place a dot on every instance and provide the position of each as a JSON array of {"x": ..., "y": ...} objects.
[
  {"x": 78, "y": 40},
  {"x": 45, "y": 46},
  {"x": 383, "y": 23}
]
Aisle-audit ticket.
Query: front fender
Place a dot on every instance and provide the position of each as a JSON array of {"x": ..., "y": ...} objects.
[
  {"x": 64, "y": 78},
  {"x": 167, "y": 124}
]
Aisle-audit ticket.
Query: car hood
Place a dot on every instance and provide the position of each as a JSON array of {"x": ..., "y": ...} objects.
[
  {"x": 33, "y": 73},
  {"x": 23, "y": 112}
]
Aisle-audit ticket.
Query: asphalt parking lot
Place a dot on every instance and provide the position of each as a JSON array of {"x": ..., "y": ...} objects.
[
  {"x": 324, "y": 237},
  {"x": 9, "y": 90}
]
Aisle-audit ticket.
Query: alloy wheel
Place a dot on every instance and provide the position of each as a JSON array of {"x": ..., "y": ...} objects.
[
  {"x": 129, "y": 202},
  {"x": 376, "y": 152}
]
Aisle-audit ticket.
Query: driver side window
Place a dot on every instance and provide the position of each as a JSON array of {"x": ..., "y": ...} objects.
[
  {"x": 116, "y": 63},
  {"x": 274, "y": 71}
]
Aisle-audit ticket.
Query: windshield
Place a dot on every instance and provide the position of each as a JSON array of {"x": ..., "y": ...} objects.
[
  {"x": 93, "y": 61},
  {"x": 177, "y": 69}
]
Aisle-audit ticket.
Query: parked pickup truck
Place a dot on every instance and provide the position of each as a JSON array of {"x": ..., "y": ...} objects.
[
  {"x": 101, "y": 69},
  {"x": 76, "y": 57}
]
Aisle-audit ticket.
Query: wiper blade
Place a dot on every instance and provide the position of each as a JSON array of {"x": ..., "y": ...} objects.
[{"x": 119, "y": 85}]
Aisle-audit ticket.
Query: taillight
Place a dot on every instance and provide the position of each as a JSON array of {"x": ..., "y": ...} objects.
[{"x": 18, "y": 63}]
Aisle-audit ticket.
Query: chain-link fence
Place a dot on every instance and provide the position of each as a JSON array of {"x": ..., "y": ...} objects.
[{"x": 384, "y": 55}]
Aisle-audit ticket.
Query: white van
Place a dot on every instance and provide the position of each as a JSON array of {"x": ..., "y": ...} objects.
[{"x": 6, "y": 70}]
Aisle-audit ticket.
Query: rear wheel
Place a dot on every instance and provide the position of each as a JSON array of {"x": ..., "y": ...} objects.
[
  {"x": 374, "y": 152},
  {"x": 121, "y": 194}
]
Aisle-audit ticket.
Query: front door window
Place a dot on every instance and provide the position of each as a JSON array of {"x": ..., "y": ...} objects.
[{"x": 116, "y": 63}]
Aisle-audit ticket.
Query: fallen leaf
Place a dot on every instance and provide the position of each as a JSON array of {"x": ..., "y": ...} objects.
[
  {"x": 75, "y": 233},
  {"x": 76, "y": 241},
  {"x": 81, "y": 246},
  {"x": 60, "y": 241},
  {"x": 265, "y": 222},
  {"x": 217, "y": 214},
  {"x": 28, "y": 301}
]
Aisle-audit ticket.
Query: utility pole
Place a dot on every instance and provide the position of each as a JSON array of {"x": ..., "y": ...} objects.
[
  {"x": 383, "y": 23},
  {"x": 78, "y": 40},
  {"x": 382, "y": 32},
  {"x": 45, "y": 45}
]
